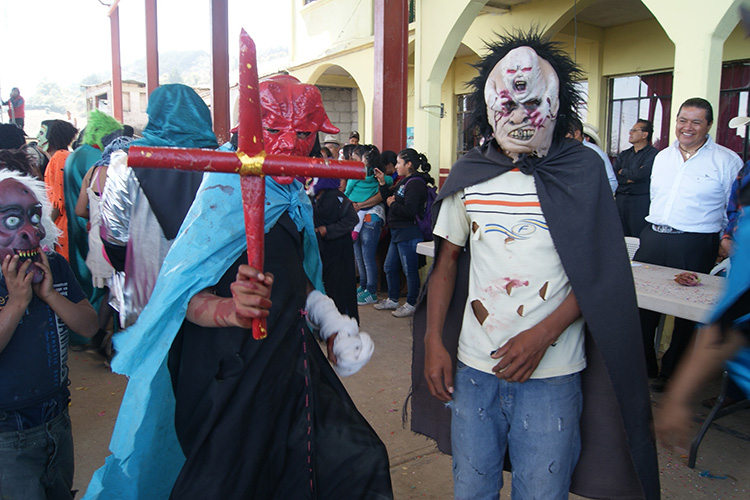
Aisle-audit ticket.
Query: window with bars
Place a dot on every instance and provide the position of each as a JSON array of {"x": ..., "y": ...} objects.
[
  {"x": 734, "y": 101},
  {"x": 467, "y": 139},
  {"x": 647, "y": 97},
  {"x": 650, "y": 97}
]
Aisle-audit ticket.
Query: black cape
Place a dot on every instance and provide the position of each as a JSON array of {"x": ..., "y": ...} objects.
[
  {"x": 618, "y": 456},
  {"x": 269, "y": 419},
  {"x": 335, "y": 211}
]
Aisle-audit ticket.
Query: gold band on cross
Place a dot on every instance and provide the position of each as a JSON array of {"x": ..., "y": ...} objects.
[{"x": 251, "y": 165}]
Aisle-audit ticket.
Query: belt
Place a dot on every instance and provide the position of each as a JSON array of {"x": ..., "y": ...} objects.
[{"x": 665, "y": 229}]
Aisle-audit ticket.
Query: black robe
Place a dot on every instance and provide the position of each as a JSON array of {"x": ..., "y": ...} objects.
[
  {"x": 269, "y": 419},
  {"x": 335, "y": 211},
  {"x": 618, "y": 450}
]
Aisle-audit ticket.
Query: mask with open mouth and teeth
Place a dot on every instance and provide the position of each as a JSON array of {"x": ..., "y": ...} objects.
[
  {"x": 522, "y": 102},
  {"x": 23, "y": 227}
]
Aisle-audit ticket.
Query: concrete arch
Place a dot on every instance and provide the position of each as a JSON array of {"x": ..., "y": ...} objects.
[
  {"x": 555, "y": 16},
  {"x": 698, "y": 34},
  {"x": 440, "y": 27},
  {"x": 348, "y": 70}
]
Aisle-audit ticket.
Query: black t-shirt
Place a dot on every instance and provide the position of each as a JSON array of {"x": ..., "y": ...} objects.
[{"x": 33, "y": 366}]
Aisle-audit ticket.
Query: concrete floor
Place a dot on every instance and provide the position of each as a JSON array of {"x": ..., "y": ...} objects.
[{"x": 418, "y": 469}]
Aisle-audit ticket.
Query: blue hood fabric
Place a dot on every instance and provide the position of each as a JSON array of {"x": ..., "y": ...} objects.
[{"x": 146, "y": 456}]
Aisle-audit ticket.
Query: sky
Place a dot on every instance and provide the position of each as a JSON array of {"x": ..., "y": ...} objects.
[{"x": 67, "y": 40}]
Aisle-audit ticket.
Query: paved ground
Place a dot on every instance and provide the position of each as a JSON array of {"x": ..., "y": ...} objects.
[{"x": 418, "y": 470}]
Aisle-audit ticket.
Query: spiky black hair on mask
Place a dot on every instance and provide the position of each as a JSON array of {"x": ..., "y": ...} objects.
[{"x": 567, "y": 72}]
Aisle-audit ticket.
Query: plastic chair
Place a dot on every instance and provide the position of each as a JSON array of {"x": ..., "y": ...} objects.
[
  {"x": 716, "y": 413},
  {"x": 722, "y": 267}
]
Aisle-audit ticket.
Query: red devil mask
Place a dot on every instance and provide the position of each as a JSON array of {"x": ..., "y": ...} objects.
[{"x": 292, "y": 115}]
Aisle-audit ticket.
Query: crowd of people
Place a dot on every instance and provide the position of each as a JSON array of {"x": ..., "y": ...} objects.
[{"x": 524, "y": 336}]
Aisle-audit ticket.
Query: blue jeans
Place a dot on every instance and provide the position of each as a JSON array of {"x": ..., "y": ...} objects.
[
  {"x": 403, "y": 255},
  {"x": 37, "y": 463},
  {"x": 364, "y": 252},
  {"x": 538, "y": 421}
]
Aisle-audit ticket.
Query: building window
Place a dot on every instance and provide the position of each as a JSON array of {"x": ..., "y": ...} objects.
[
  {"x": 647, "y": 97},
  {"x": 467, "y": 139},
  {"x": 734, "y": 101},
  {"x": 126, "y": 101}
]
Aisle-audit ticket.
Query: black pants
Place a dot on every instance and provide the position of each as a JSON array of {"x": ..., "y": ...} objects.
[
  {"x": 633, "y": 209},
  {"x": 690, "y": 251}
]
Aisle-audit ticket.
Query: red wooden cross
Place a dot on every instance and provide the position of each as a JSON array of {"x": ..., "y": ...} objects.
[{"x": 250, "y": 162}]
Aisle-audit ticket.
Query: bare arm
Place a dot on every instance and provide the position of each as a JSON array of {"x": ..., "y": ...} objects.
[
  {"x": 673, "y": 420},
  {"x": 520, "y": 356},
  {"x": 369, "y": 202},
  {"x": 438, "y": 369},
  {"x": 82, "y": 206},
  {"x": 250, "y": 299}
]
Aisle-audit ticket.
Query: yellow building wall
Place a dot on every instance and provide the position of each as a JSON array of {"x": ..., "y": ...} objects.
[
  {"x": 339, "y": 32},
  {"x": 737, "y": 46},
  {"x": 633, "y": 48},
  {"x": 325, "y": 27}
]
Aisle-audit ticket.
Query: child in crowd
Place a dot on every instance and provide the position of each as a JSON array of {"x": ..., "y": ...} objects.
[
  {"x": 367, "y": 201},
  {"x": 41, "y": 302},
  {"x": 334, "y": 218}
]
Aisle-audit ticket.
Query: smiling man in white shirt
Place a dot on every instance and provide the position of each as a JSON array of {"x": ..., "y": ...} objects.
[{"x": 690, "y": 185}]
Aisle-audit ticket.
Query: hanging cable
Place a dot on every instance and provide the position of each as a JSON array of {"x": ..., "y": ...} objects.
[{"x": 575, "y": 32}]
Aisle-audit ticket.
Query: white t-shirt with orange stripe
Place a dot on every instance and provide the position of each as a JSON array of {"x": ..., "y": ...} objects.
[{"x": 515, "y": 272}]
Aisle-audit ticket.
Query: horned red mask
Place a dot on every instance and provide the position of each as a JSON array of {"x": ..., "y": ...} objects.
[{"x": 292, "y": 115}]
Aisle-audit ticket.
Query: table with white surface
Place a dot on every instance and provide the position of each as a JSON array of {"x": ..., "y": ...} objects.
[
  {"x": 657, "y": 290},
  {"x": 426, "y": 248}
]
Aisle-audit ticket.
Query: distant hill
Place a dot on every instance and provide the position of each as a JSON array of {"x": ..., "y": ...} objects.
[{"x": 191, "y": 67}]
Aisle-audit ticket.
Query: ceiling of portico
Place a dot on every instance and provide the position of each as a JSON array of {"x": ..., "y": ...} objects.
[{"x": 608, "y": 13}]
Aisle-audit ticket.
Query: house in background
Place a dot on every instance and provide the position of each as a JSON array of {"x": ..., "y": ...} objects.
[
  {"x": 638, "y": 56},
  {"x": 134, "y": 101}
]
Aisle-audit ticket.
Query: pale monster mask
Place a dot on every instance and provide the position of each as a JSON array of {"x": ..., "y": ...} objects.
[
  {"x": 41, "y": 138},
  {"x": 522, "y": 95}
]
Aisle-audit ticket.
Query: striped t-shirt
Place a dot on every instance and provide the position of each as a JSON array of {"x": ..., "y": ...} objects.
[{"x": 516, "y": 274}]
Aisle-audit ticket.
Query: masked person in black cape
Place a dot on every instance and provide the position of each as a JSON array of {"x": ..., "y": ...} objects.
[
  {"x": 210, "y": 412},
  {"x": 528, "y": 331}
]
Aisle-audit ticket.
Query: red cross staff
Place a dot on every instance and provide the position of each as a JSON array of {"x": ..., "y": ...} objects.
[{"x": 250, "y": 162}]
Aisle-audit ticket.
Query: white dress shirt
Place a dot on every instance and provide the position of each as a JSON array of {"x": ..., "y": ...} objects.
[
  {"x": 692, "y": 195},
  {"x": 607, "y": 164}
]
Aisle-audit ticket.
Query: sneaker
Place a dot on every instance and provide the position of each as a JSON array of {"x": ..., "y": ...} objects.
[
  {"x": 359, "y": 290},
  {"x": 404, "y": 310},
  {"x": 365, "y": 298},
  {"x": 386, "y": 304}
]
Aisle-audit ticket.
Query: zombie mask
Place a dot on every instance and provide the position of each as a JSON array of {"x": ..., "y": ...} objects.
[
  {"x": 522, "y": 102},
  {"x": 292, "y": 115},
  {"x": 41, "y": 139},
  {"x": 21, "y": 230}
]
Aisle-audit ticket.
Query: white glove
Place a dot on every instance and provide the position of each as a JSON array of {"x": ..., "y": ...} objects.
[{"x": 352, "y": 348}]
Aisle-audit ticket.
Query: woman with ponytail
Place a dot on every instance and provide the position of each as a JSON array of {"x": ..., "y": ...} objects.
[{"x": 405, "y": 202}]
